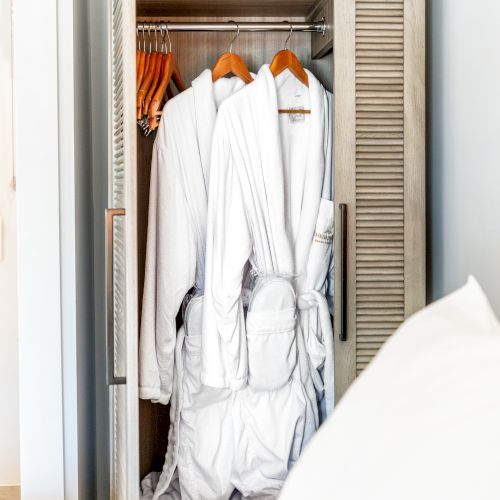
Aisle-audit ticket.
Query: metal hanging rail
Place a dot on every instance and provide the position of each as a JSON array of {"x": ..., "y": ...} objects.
[{"x": 315, "y": 26}]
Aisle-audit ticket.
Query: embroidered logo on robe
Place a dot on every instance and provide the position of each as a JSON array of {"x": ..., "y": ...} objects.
[
  {"x": 296, "y": 117},
  {"x": 323, "y": 237}
]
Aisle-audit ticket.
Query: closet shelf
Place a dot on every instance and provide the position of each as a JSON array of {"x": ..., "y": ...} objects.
[{"x": 260, "y": 8}]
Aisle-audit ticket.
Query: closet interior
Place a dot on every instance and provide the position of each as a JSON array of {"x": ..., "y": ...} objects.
[{"x": 194, "y": 52}]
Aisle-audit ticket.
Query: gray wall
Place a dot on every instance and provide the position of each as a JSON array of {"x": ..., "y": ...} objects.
[
  {"x": 84, "y": 255},
  {"x": 463, "y": 61}
]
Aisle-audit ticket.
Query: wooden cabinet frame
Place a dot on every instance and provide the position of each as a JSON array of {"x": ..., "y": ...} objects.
[{"x": 379, "y": 87}]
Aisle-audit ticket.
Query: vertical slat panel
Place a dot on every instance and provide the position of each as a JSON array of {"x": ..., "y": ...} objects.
[
  {"x": 380, "y": 175},
  {"x": 118, "y": 394},
  {"x": 122, "y": 159}
]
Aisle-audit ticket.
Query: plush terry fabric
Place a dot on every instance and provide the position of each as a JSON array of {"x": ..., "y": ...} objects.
[
  {"x": 175, "y": 255},
  {"x": 423, "y": 420}
]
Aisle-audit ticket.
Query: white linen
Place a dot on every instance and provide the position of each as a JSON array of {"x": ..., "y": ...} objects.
[
  {"x": 175, "y": 252},
  {"x": 170, "y": 366},
  {"x": 268, "y": 173},
  {"x": 423, "y": 419},
  {"x": 265, "y": 208},
  {"x": 221, "y": 439}
]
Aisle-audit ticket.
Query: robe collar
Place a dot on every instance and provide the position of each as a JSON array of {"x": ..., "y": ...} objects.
[
  {"x": 266, "y": 102},
  {"x": 208, "y": 95}
]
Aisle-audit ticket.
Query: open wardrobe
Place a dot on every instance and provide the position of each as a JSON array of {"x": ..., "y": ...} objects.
[{"x": 258, "y": 224}]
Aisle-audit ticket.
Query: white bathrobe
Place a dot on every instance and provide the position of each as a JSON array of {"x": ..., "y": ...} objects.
[
  {"x": 175, "y": 252},
  {"x": 266, "y": 206},
  {"x": 170, "y": 367},
  {"x": 270, "y": 205}
]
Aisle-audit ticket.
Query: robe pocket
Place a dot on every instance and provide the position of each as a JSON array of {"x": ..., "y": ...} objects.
[{"x": 272, "y": 347}]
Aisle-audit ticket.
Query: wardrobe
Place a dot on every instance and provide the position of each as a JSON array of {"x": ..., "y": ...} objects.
[{"x": 372, "y": 56}]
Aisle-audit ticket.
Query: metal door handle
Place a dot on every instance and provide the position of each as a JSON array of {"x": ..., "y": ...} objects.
[
  {"x": 343, "y": 271},
  {"x": 112, "y": 379}
]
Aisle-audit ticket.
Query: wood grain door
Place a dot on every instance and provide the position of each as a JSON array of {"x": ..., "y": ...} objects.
[{"x": 379, "y": 48}]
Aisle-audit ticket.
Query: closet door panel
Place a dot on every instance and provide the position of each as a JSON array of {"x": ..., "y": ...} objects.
[
  {"x": 379, "y": 181},
  {"x": 383, "y": 182},
  {"x": 122, "y": 255}
]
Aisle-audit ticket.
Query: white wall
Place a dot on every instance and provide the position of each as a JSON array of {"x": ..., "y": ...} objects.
[
  {"x": 464, "y": 145},
  {"x": 9, "y": 407},
  {"x": 40, "y": 280}
]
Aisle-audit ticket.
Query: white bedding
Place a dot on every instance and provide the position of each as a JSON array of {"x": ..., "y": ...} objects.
[{"x": 422, "y": 421}]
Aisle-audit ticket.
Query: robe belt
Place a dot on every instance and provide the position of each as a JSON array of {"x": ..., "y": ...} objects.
[{"x": 314, "y": 300}]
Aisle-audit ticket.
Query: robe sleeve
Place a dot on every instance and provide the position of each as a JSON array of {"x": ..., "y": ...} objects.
[
  {"x": 169, "y": 274},
  {"x": 224, "y": 353}
]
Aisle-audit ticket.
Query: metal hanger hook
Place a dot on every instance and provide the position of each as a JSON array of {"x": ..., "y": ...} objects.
[
  {"x": 143, "y": 38},
  {"x": 168, "y": 36},
  {"x": 149, "y": 36},
  {"x": 235, "y": 36},
  {"x": 289, "y": 35},
  {"x": 162, "y": 45}
]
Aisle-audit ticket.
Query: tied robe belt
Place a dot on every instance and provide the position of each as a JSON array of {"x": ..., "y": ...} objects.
[{"x": 314, "y": 301}]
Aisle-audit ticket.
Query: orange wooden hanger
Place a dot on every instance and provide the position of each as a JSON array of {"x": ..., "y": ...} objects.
[
  {"x": 154, "y": 84},
  {"x": 231, "y": 63},
  {"x": 286, "y": 59},
  {"x": 146, "y": 83},
  {"x": 137, "y": 55},
  {"x": 150, "y": 80},
  {"x": 170, "y": 71},
  {"x": 140, "y": 63}
]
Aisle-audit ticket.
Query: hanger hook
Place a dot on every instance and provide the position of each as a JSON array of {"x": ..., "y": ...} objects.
[
  {"x": 289, "y": 35},
  {"x": 143, "y": 38},
  {"x": 156, "y": 38},
  {"x": 162, "y": 46},
  {"x": 168, "y": 36},
  {"x": 149, "y": 36},
  {"x": 235, "y": 36}
]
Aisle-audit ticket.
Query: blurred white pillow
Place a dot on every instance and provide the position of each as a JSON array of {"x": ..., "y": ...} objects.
[{"x": 422, "y": 421}]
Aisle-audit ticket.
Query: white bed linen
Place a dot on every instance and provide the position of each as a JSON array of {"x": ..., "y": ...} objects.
[{"x": 422, "y": 421}]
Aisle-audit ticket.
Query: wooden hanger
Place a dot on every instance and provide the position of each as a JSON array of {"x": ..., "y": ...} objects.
[
  {"x": 140, "y": 71},
  {"x": 146, "y": 84},
  {"x": 286, "y": 59},
  {"x": 140, "y": 62},
  {"x": 160, "y": 63},
  {"x": 231, "y": 63},
  {"x": 150, "y": 81},
  {"x": 170, "y": 71}
]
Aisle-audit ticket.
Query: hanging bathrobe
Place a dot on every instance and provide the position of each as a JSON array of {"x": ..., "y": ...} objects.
[
  {"x": 176, "y": 225},
  {"x": 170, "y": 363},
  {"x": 270, "y": 205}
]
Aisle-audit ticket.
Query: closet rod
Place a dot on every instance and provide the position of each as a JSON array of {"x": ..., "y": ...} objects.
[{"x": 316, "y": 26}]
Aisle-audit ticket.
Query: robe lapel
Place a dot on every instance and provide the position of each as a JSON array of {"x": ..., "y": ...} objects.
[
  {"x": 206, "y": 95},
  {"x": 313, "y": 183},
  {"x": 205, "y": 115},
  {"x": 266, "y": 102}
]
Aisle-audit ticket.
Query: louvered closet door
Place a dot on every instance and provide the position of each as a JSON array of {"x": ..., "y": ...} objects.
[
  {"x": 379, "y": 175},
  {"x": 121, "y": 256}
]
